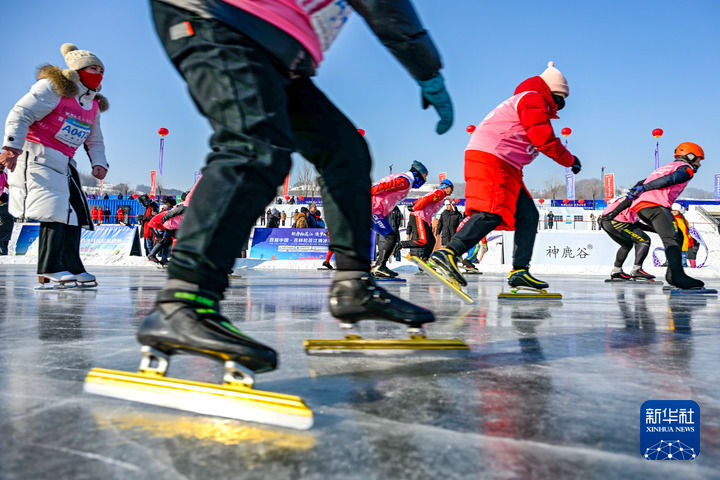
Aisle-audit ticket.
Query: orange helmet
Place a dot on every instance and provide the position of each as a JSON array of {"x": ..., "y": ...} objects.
[{"x": 689, "y": 151}]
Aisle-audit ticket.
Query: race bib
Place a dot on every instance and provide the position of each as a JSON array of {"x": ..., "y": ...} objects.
[{"x": 73, "y": 132}]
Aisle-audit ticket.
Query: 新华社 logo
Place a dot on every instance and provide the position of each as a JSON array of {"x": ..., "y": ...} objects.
[{"x": 670, "y": 430}]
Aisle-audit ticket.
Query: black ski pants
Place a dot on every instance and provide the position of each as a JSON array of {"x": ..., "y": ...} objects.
[
  {"x": 627, "y": 235},
  {"x": 482, "y": 223},
  {"x": 386, "y": 245},
  {"x": 260, "y": 116},
  {"x": 59, "y": 248},
  {"x": 662, "y": 220},
  {"x": 422, "y": 240}
]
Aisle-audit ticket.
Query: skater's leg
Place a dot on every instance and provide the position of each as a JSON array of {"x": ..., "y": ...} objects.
[
  {"x": 477, "y": 227},
  {"x": 615, "y": 231},
  {"x": 430, "y": 245},
  {"x": 71, "y": 249},
  {"x": 526, "y": 220},
  {"x": 420, "y": 236},
  {"x": 329, "y": 141},
  {"x": 663, "y": 223},
  {"x": 50, "y": 248}
]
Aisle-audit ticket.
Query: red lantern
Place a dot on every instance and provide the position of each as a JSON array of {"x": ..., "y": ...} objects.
[
  {"x": 657, "y": 133},
  {"x": 163, "y": 132},
  {"x": 301, "y": 198},
  {"x": 566, "y": 201},
  {"x": 581, "y": 201},
  {"x": 287, "y": 197},
  {"x": 541, "y": 201},
  {"x": 135, "y": 195},
  {"x": 361, "y": 132},
  {"x": 470, "y": 128},
  {"x": 565, "y": 132}
]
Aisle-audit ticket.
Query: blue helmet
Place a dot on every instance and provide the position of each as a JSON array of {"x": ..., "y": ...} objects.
[{"x": 447, "y": 183}]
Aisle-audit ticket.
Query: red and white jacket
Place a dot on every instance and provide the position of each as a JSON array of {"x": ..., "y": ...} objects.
[
  {"x": 389, "y": 191},
  {"x": 426, "y": 207}
]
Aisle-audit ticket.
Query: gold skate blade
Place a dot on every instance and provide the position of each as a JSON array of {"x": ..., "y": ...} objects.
[
  {"x": 522, "y": 293},
  {"x": 424, "y": 267},
  {"x": 416, "y": 344},
  {"x": 230, "y": 401}
]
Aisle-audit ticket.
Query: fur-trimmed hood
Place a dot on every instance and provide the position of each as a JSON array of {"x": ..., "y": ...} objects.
[{"x": 66, "y": 83}]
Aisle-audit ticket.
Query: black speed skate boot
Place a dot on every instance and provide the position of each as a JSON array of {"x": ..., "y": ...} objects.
[
  {"x": 445, "y": 262},
  {"x": 190, "y": 322},
  {"x": 328, "y": 266},
  {"x": 520, "y": 277},
  {"x": 355, "y": 299},
  {"x": 640, "y": 274},
  {"x": 381, "y": 271},
  {"x": 620, "y": 276},
  {"x": 675, "y": 274},
  {"x": 468, "y": 265}
]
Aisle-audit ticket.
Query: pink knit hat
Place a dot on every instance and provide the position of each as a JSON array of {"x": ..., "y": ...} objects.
[{"x": 556, "y": 80}]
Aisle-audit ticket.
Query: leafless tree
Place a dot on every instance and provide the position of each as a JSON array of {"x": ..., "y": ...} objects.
[
  {"x": 553, "y": 187},
  {"x": 589, "y": 188},
  {"x": 306, "y": 180},
  {"x": 122, "y": 188}
]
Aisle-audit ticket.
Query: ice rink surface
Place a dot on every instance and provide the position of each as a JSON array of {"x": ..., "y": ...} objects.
[{"x": 550, "y": 390}]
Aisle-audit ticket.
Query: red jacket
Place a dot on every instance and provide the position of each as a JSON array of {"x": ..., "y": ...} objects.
[
  {"x": 120, "y": 214},
  {"x": 94, "y": 213}
]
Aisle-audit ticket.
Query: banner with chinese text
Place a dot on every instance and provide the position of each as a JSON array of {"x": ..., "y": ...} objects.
[
  {"x": 555, "y": 248},
  {"x": 609, "y": 186},
  {"x": 289, "y": 243}
]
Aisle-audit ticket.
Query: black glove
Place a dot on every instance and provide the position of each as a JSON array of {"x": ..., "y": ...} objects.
[{"x": 576, "y": 166}]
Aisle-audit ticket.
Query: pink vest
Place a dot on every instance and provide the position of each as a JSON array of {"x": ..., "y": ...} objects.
[
  {"x": 289, "y": 17},
  {"x": 664, "y": 197},
  {"x": 627, "y": 215},
  {"x": 65, "y": 128},
  {"x": 383, "y": 203},
  {"x": 428, "y": 211},
  {"x": 501, "y": 134}
]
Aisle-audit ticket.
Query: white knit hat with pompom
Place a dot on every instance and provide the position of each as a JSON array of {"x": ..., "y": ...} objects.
[
  {"x": 556, "y": 80},
  {"x": 79, "y": 59}
]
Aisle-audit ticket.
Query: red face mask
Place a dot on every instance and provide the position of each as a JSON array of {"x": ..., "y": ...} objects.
[{"x": 90, "y": 80}]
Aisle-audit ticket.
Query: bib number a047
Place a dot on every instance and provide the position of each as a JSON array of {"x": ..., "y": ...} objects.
[{"x": 73, "y": 132}]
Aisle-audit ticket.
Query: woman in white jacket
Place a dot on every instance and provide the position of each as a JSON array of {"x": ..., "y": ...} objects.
[{"x": 44, "y": 129}]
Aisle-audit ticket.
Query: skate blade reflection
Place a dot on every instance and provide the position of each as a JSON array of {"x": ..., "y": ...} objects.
[
  {"x": 226, "y": 432},
  {"x": 230, "y": 401}
]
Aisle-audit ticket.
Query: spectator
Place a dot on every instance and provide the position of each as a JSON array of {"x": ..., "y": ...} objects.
[
  {"x": 311, "y": 216},
  {"x": 550, "y": 220},
  {"x": 320, "y": 221},
  {"x": 292, "y": 200},
  {"x": 300, "y": 218},
  {"x": 106, "y": 197},
  {"x": 120, "y": 197},
  {"x": 151, "y": 209},
  {"x": 121, "y": 216},
  {"x": 283, "y": 217},
  {"x": 266, "y": 218},
  {"x": 94, "y": 214},
  {"x": 101, "y": 215},
  {"x": 6, "y": 224},
  {"x": 107, "y": 215},
  {"x": 294, "y": 215},
  {"x": 448, "y": 223},
  {"x": 593, "y": 223},
  {"x": 273, "y": 219}
]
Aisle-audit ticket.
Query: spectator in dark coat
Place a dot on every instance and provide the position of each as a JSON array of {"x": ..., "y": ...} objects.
[
  {"x": 151, "y": 209},
  {"x": 273, "y": 219},
  {"x": 550, "y": 220},
  {"x": 448, "y": 223}
]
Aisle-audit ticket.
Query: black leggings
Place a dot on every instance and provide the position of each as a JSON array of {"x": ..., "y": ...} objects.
[
  {"x": 59, "y": 248},
  {"x": 482, "y": 223},
  {"x": 662, "y": 221},
  {"x": 422, "y": 238},
  {"x": 627, "y": 235}
]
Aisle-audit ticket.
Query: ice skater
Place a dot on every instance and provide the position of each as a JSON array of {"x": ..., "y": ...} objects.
[
  {"x": 652, "y": 198},
  {"x": 43, "y": 131},
  {"x": 386, "y": 194},
  {"x": 423, "y": 211},
  {"x": 509, "y": 137},
  {"x": 626, "y": 229},
  {"x": 271, "y": 49}
]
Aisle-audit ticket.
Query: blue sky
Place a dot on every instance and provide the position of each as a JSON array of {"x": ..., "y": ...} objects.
[{"x": 632, "y": 67}]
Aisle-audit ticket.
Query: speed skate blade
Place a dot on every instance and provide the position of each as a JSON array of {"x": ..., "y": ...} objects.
[
  {"x": 230, "y": 401},
  {"x": 424, "y": 267},
  {"x": 415, "y": 345},
  {"x": 634, "y": 282},
  {"x": 522, "y": 293},
  {"x": 690, "y": 291},
  {"x": 472, "y": 272},
  {"x": 617, "y": 280},
  {"x": 390, "y": 280}
]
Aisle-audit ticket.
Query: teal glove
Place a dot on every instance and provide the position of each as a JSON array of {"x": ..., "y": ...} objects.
[{"x": 433, "y": 93}]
